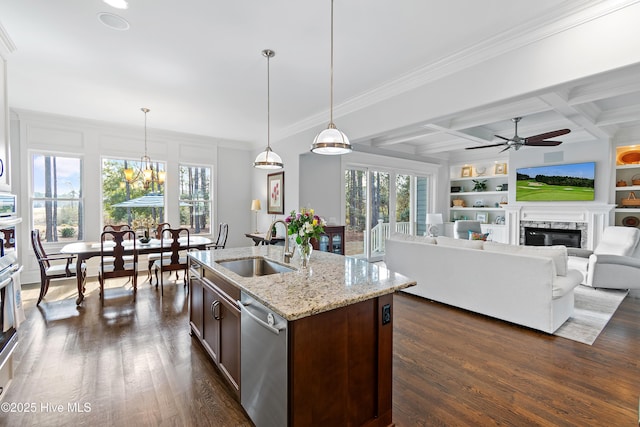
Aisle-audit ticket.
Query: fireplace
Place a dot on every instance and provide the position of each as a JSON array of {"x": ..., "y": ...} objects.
[{"x": 552, "y": 236}]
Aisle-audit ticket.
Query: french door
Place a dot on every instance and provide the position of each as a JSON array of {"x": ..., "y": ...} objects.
[{"x": 379, "y": 202}]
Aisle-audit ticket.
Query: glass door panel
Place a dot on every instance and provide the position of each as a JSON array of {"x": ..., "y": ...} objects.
[
  {"x": 355, "y": 212},
  {"x": 378, "y": 212},
  {"x": 403, "y": 204}
]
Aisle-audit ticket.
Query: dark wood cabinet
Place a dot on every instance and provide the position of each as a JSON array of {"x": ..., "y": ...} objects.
[
  {"x": 215, "y": 320},
  {"x": 340, "y": 366},
  {"x": 332, "y": 240}
]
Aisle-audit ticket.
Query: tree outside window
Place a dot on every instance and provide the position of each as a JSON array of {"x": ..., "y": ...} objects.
[
  {"x": 56, "y": 197},
  {"x": 195, "y": 199}
]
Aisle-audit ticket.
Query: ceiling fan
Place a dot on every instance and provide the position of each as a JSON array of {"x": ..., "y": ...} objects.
[{"x": 533, "y": 141}]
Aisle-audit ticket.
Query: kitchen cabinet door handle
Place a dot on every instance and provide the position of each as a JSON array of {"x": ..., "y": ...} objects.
[{"x": 214, "y": 305}]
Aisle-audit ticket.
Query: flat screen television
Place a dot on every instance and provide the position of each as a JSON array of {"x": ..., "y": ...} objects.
[{"x": 565, "y": 182}]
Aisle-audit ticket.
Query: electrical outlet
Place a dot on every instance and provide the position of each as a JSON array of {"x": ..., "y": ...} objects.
[{"x": 386, "y": 314}]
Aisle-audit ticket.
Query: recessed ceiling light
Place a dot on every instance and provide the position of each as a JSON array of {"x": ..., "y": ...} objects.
[
  {"x": 118, "y": 4},
  {"x": 112, "y": 21}
]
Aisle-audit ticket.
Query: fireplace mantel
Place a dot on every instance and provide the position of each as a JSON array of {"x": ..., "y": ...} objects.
[{"x": 597, "y": 216}]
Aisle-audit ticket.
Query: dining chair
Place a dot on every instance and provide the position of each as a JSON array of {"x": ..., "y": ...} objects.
[
  {"x": 172, "y": 239},
  {"x": 221, "y": 240},
  {"x": 113, "y": 261},
  {"x": 51, "y": 265},
  {"x": 151, "y": 258}
]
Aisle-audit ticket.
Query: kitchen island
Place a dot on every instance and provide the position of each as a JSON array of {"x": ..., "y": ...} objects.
[{"x": 323, "y": 354}]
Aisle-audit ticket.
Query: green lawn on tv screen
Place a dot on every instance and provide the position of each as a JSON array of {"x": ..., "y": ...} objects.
[{"x": 532, "y": 191}]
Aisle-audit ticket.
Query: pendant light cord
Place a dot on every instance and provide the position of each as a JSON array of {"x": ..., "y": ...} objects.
[
  {"x": 268, "y": 102},
  {"x": 331, "y": 95}
]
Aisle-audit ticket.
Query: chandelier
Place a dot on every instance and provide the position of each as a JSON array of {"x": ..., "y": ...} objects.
[{"x": 146, "y": 175}]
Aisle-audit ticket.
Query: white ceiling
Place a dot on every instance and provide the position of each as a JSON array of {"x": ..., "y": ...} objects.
[{"x": 197, "y": 65}]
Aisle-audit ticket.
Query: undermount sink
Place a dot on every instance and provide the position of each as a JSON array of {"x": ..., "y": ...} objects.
[{"x": 254, "y": 267}]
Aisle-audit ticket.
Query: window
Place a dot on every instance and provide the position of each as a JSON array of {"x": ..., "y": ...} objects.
[
  {"x": 195, "y": 199},
  {"x": 56, "y": 197},
  {"x": 135, "y": 201}
]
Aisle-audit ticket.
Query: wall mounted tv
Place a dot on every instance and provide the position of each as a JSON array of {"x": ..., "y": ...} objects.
[{"x": 565, "y": 182}]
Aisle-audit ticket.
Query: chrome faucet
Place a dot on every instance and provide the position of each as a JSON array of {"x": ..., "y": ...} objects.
[{"x": 287, "y": 254}]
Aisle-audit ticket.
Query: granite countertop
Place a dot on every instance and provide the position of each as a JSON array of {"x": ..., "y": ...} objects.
[{"x": 331, "y": 281}]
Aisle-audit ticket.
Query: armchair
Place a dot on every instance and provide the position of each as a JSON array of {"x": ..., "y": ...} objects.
[
  {"x": 614, "y": 263},
  {"x": 461, "y": 228}
]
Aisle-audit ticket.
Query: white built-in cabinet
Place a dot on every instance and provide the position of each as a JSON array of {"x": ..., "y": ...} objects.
[
  {"x": 467, "y": 201},
  {"x": 627, "y": 211}
]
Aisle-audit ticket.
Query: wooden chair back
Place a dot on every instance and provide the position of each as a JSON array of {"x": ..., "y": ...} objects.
[
  {"x": 117, "y": 227},
  {"x": 161, "y": 228},
  {"x": 41, "y": 255},
  {"x": 173, "y": 238},
  {"x": 112, "y": 254},
  {"x": 223, "y": 232}
]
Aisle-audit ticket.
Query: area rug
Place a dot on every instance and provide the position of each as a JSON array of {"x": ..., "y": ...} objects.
[{"x": 592, "y": 310}]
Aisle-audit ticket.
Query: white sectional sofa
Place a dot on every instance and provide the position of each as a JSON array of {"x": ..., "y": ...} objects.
[{"x": 526, "y": 285}]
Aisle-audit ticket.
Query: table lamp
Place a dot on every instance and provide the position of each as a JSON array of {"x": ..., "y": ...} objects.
[
  {"x": 255, "y": 206},
  {"x": 433, "y": 221}
]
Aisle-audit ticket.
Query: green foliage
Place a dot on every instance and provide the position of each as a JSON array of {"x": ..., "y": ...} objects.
[{"x": 67, "y": 232}]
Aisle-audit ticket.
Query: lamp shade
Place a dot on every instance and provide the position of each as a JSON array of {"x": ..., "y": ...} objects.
[
  {"x": 331, "y": 141},
  {"x": 255, "y": 205},
  {"x": 268, "y": 160},
  {"x": 434, "y": 218}
]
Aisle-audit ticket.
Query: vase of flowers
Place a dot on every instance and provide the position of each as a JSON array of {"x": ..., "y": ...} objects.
[{"x": 304, "y": 225}]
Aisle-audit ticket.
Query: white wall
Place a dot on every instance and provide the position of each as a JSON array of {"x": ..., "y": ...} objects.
[{"x": 93, "y": 140}]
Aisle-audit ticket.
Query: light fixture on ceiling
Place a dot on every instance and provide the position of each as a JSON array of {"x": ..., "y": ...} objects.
[
  {"x": 331, "y": 141},
  {"x": 146, "y": 175},
  {"x": 113, "y": 21},
  {"x": 268, "y": 159},
  {"x": 118, "y": 4}
]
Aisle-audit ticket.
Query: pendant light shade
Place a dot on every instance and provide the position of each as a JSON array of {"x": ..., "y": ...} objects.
[
  {"x": 331, "y": 141},
  {"x": 268, "y": 159}
]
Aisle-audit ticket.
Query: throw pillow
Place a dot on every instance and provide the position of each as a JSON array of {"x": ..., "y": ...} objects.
[{"x": 474, "y": 235}]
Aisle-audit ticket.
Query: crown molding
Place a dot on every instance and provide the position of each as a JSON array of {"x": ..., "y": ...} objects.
[{"x": 553, "y": 22}]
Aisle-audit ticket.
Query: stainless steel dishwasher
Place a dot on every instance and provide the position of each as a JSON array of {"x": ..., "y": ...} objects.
[{"x": 263, "y": 363}]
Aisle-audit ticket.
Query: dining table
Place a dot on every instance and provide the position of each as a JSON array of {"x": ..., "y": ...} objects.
[{"x": 85, "y": 250}]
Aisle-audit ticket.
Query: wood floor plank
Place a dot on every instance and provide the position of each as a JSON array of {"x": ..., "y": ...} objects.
[{"x": 135, "y": 364}]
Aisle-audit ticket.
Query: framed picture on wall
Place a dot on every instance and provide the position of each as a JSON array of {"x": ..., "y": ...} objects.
[
  {"x": 465, "y": 172},
  {"x": 275, "y": 193}
]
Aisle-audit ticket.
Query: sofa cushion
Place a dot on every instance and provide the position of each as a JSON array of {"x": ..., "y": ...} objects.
[
  {"x": 409, "y": 238},
  {"x": 557, "y": 253},
  {"x": 459, "y": 243}
]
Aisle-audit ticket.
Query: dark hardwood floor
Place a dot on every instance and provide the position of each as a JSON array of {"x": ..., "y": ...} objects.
[{"x": 134, "y": 363}]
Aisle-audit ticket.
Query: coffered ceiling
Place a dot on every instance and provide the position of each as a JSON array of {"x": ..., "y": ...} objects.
[{"x": 198, "y": 66}]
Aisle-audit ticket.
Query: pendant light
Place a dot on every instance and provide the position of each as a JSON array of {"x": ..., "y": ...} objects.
[
  {"x": 331, "y": 141},
  {"x": 268, "y": 159}
]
